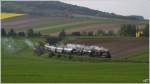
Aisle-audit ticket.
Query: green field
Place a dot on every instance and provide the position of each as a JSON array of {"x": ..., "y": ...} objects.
[
  {"x": 56, "y": 26},
  {"x": 22, "y": 65},
  {"x": 141, "y": 56}
]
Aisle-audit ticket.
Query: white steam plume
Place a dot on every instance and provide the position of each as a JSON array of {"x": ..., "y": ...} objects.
[{"x": 29, "y": 43}]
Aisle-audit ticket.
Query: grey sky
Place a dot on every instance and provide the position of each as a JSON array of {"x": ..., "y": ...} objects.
[{"x": 123, "y": 7}]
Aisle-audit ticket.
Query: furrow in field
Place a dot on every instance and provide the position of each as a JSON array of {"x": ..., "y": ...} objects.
[
  {"x": 28, "y": 21},
  {"x": 94, "y": 28},
  {"x": 76, "y": 25},
  {"x": 118, "y": 47}
]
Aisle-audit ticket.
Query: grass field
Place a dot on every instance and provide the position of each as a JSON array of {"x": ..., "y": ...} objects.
[
  {"x": 9, "y": 15},
  {"x": 22, "y": 65},
  {"x": 141, "y": 56}
]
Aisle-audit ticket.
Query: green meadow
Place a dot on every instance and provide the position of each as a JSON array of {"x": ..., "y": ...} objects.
[{"x": 22, "y": 65}]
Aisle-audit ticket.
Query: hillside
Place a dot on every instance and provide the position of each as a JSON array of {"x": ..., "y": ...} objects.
[{"x": 57, "y": 8}]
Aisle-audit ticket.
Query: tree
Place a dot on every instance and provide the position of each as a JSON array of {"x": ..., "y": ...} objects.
[
  {"x": 52, "y": 40},
  {"x": 39, "y": 33},
  {"x": 21, "y": 34},
  {"x": 110, "y": 33},
  {"x": 30, "y": 32},
  {"x": 76, "y": 33},
  {"x": 84, "y": 33},
  {"x": 128, "y": 30},
  {"x": 62, "y": 34},
  {"x": 122, "y": 31},
  {"x": 131, "y": 30},
  {"x": 11, "y": 32},
  {"x": 41, "y": 43},
  {"x": 90, "y": 33},
  {"x": 3, "y": 32},
  {"x": 100, "y": 33},
  {"x": 146, "y": 31}
]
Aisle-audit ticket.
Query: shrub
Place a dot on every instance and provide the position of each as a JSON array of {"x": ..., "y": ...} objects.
[
  {"x": 21, "y": 34},
  {"x": 90, "y": 33},
  {"x": 30, "y": 32},
  {"x": 100, "y": 32},
  {"x": 53, "y": 40},
  {"x": 76, "y": 33},
  {"x": 3, "y": 32},
  {"x": 110, "y": 33},
  {"x": 146, "y": 31},
  {"x": 127, "y": 30},
  {"x": 11, "y": 32},
  {"x": 62, "y": 34}
]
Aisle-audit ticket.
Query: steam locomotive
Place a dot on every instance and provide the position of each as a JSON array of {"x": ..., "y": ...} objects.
[{"x": 74, "y": 49}]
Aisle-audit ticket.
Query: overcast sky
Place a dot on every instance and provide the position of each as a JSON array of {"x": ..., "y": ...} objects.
[{"x": 123, "y": 7}]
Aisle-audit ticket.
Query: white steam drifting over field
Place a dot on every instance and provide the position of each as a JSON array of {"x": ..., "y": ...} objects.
[
  {"x": 12, "y": 45},
  {"x": 29, "y": 43}
]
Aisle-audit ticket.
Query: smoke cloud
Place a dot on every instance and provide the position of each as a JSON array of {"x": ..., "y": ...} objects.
[
  {"x": 29, "y": 43},
  {"x": 10, "y": 45}
]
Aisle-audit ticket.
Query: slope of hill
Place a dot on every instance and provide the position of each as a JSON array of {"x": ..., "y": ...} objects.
[{"x": 57, "y": 8}]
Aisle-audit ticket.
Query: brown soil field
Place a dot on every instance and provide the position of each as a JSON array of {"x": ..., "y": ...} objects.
[
  {"x": 106, "y": 27},
  {"x": 117, "y": 47},
  {"x": 32, "y": 21}
]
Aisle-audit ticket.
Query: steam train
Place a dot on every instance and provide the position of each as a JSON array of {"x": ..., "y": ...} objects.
[{"x": 74, "y": 49}]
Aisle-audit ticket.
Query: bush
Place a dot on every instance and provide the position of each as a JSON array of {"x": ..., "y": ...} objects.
[
  {"x": 21, "y": 34},
  {"x": 100, "y": 33},
  {"x": 90, "y": 33},
  {"x": 53, "y": 40},
  {"x": 76, "y": 33},
  {"x": 110, "y": 33},
  {"x": 3, "y": 32},
  {"x": 11, "y": 32},
  {"x": 84, "y": 33},
  {"x": 146, "y": 31},
  {"x": 30, "y": 32},
  {"x": 128, "y": 30},
  {"x": 41, "y": 43},
  {"x": 62, "y": 34}
]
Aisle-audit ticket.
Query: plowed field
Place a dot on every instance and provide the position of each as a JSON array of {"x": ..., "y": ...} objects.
[{"x": 117, "y": 46}]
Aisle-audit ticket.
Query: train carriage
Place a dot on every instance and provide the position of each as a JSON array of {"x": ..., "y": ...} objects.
[{"x": 77, "y": 49}]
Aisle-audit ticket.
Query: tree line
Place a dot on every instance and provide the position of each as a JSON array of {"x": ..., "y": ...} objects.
[
  {"x": 13, "y": 33},
  {"x": 127, "y": 30}
]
